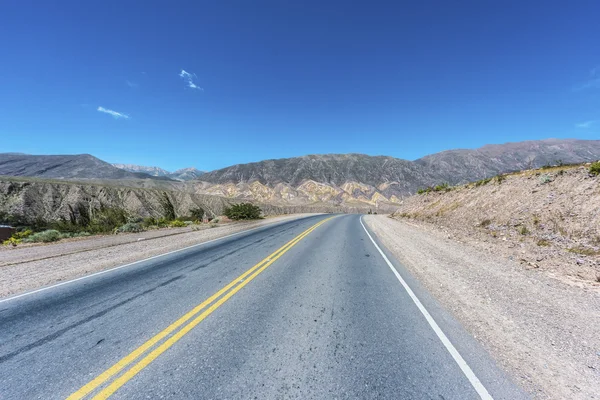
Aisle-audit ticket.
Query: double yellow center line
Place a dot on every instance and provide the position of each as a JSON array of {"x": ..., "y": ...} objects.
[{"x": 186, "y": 323}]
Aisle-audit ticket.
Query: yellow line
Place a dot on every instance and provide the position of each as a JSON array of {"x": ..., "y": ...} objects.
[{"x": 116, "y": 368}]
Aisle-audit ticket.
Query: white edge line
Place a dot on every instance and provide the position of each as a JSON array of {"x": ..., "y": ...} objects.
[
  {"x": 475, "y": 382},
  {"x": 130, "y": 264}
]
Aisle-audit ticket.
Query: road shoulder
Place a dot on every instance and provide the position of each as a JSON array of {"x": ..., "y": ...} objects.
[
  {"x": 65, "y": 261},
  {"x": 542, "y": 331}
]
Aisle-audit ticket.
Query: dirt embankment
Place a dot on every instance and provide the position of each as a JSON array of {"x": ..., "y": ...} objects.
[
  {"x": 543, "y": 331},
  {"x": 547, "y": 219}
]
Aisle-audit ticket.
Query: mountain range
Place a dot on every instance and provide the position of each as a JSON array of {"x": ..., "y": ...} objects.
[
  {"x": 184, "y": 174},
  {"x": 353, "y": 180}
]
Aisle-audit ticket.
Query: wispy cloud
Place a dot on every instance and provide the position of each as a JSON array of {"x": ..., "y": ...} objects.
[
  {"x": 189, "y": 79},
  {"x": 585, "y": 124},
  {"x": 593, "y": 81},
  {"x": 115, "y": 114},
  {"x": 131, "y": 84}
]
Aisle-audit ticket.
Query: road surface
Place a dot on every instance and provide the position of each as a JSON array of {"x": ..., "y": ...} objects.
[{"x": 310, "y": 308}]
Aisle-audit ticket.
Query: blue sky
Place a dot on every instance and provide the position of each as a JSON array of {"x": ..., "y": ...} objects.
[{"x": 272, "y": 79}]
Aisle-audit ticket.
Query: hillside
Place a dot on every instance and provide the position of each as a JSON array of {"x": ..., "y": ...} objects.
[
  {"x": 546, "y": 219},
  {"x": 184, "y": 174},
  {"x": 26, "y": 201},
  {"x": 461, "y": 166},
  {"x": 354, "y": 182},
  {"x": 340, "y": 178},
  {"x": 79, "y": 166},
  {"x": 154, "y": 171}
]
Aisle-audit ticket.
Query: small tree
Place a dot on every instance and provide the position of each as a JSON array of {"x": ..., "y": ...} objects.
[{"x": 242, "y": 211}]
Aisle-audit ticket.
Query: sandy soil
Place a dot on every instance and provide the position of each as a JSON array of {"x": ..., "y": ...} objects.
[
  {"x": 542, "y": 330},
  {"x": 30, "y": 267},
  {"x": 547, "y": 219}
]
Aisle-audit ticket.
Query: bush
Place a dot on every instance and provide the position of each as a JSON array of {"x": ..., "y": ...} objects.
[
  {"x": 197, "y": 214},
  {"x": 131, "y": 227},
  {"x": 12, "y": 241},
  {"x": 242, "y": 211},
  {"x": 442, "y": 187},
  {"x": 483, "y": 182},
  {"x": 23, "y": 234},
  {"x": 177, "y": 224},
  {"x": 595, "y": 168},
  {"x": 106, "y": 220},
  {"x": 150, "y": 221},
  {"x": 50, "y": 235}
]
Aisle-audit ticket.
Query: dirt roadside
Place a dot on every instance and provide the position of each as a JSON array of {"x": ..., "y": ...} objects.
[
  {"x": 31, "y": 267},
  {"x": 543, "y": 331}
]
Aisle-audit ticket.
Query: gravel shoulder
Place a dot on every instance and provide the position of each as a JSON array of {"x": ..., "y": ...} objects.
[
  {"x": 27, "y": 268},
  {"x": 542, "y": 330}
]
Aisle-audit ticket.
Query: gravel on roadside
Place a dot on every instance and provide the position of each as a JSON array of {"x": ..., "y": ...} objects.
[
  {"x": 543, "y": 331},
  {"x": 31, "y": 267}
]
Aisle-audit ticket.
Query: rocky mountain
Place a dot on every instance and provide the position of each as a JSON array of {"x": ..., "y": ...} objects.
[
  {"x": 80, "y": 166},
  {"x": 154, "y": 171},
  {"x": 461, "y": 166},
  {"x": 184, "y": 174},
  {"x": 375, "y": 180},
  {"x": 351, "y": 181}
]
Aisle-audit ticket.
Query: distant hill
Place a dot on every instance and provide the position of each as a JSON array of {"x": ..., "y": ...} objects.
[
  {"x": 154, "y": 171},
  {"x": 184, "y": 174},
  {"x": 461, "y": 166},
  {"x": 354, "y": 181},
  {"x": 80, "y": 166},
  {"x": 376, "y": 179}
]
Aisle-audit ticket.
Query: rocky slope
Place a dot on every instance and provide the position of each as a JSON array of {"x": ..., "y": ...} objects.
[
  {"x": 546, "y": 219},
  {"x": 354, "y": 182},
  {"x": 184, "y": 174},
  {"x": 461, "y": 166},
  {"x": 79, "y": 166},
  {"x": 154, "y": 171},
  {"x": 342, "y": 178},
  {"x": 25, "y": 201}
]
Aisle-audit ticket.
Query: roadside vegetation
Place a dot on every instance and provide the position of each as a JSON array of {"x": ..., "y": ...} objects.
[
  {"x": 242, "y": 211},
  {"x": 109, "y": 220}
]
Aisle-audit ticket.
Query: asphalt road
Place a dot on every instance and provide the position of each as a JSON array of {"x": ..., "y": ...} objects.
[{"x": 321, "y": 314}]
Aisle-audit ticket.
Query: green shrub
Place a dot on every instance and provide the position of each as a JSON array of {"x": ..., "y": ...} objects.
[
  {"x": 12, "y": 241},
  {"x": 595, "y": 168},
  {"x": 425, "y": 190},
  {"x": 483, "y": 182},
  {"x": 107, "y": 220},
  {"x": 500, "y": 178},
  {"x": 50, "y": 235},
  {"x": 131, "y": 227},
  {"x": 442, "y": 187},
  {"x": 242, "y": 211},
  {"x": 177, "y": 224},
  {"x": 523, "y": 230},
  {"x": 22, "y": 234},
  {"x": 150, "y": 221}
]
